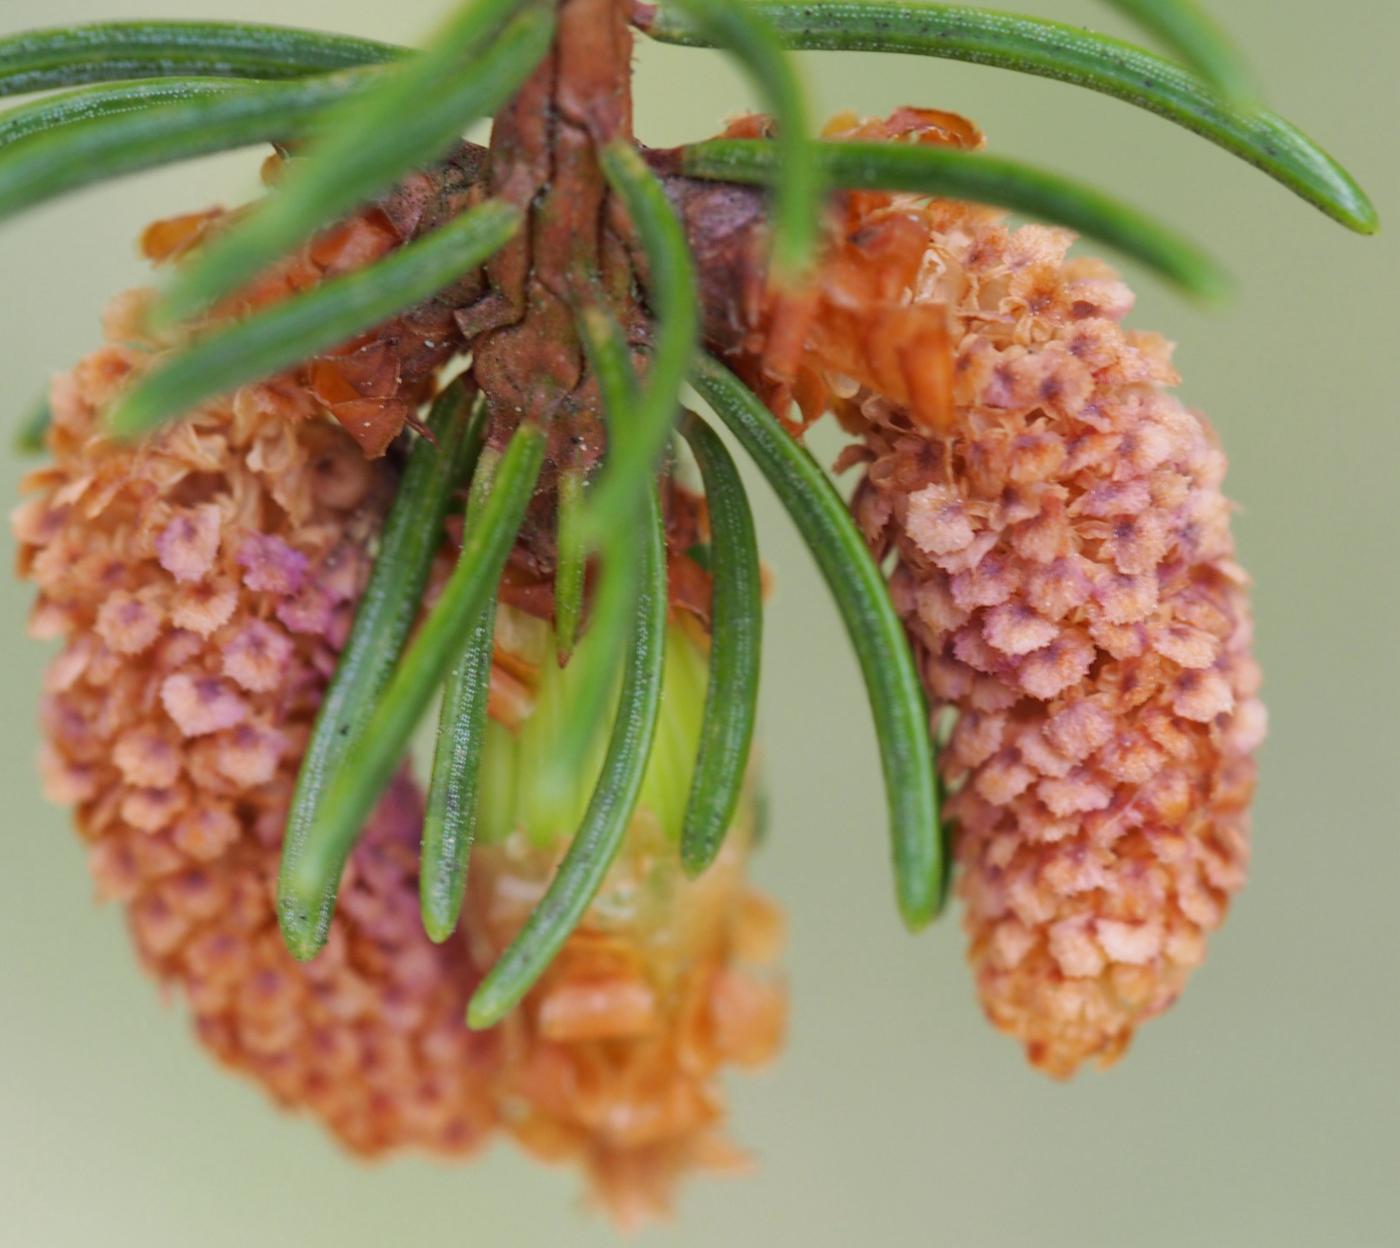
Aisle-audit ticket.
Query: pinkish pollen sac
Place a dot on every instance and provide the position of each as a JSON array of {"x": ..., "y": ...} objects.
[
  {"x": 258, "y": 656},
  {"x": 201, "y": 704},
  {"x": 270, "y": 565},
  {"x": 187, "y": 545}
]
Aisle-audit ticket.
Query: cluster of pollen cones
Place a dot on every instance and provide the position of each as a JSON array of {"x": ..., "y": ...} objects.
[
  {"x": 1063, "y": 564},
  {"x": 202, "y": 583}
]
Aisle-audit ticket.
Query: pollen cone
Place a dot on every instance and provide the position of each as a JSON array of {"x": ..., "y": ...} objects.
[
  {"x": 201, "y": 584},
  {"x": 1064, "y": 567},
  {"x": 612, "y": 1061}
]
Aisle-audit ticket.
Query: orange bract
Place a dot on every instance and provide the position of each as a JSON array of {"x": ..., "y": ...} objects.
[{"x": 856, "y": 326}]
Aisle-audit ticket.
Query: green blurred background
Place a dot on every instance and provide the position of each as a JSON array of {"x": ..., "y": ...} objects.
[{"x": 1265, "y": 1109}]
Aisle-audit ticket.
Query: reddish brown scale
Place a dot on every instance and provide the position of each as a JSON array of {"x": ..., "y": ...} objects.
[{"x": 374, "y": 383}]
